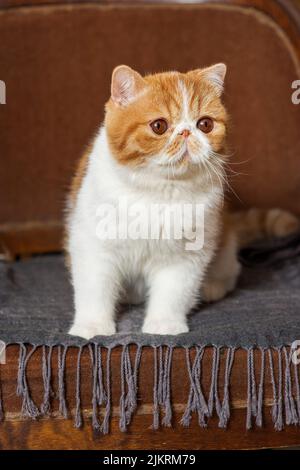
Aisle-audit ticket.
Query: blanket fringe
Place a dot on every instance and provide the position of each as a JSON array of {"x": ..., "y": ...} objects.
[
  {"x": 95, "y": 386},
  {"x": 260, "y": 399},
  {"x": 225, "y": 409},
  {"x": 196, "y": 401},
  {"x": 61, "y": 357},
  {"x": 105, "y": 424},
  {"x": 46, "y": 372},
  {"x": 29, "y": 408},
  {"x": 129, "y": 386},
  {"x": 251, "y": 390},
  {"x": 277, "y": 390},
  {"x": 283, "y": 375},
  {"x": 213, "y": 400},
  {"x": 78, "y": 413}
]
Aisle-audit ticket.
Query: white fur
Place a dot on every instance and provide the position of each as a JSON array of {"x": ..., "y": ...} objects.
[{"x": 162, "y": 271}]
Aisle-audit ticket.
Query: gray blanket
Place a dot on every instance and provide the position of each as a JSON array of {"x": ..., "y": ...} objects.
[{"x": 36, "y": 305}]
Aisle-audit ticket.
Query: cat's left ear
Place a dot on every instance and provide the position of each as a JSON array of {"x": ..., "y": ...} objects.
[
  {"x": 126, "y": 85},
  {"x": 215, "y": 74}
]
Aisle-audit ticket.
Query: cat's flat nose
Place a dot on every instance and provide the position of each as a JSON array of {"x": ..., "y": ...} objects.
[{"x": 185, "y": 133}]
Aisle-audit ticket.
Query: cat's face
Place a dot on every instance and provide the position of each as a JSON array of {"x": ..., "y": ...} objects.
[{"x": 169, "y": 123}]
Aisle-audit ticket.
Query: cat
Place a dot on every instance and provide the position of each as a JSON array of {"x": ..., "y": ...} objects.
[{"x": 163, "y": 141}]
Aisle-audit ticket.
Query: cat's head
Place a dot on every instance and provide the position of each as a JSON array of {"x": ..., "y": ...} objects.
[{"x": 172, "y": 123}]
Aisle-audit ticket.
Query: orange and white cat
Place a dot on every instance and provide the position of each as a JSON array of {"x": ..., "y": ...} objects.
[{"x": 163, "y": 142}]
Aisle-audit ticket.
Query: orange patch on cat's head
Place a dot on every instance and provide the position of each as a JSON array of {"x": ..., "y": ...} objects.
[{"x": 179, "y": 101}]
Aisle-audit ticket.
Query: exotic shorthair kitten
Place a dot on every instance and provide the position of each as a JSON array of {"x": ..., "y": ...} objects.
[{"x": 162, "y": 142}]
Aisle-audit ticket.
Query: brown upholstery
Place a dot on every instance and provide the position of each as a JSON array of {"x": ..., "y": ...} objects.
[{"x": 57, "y": 60}]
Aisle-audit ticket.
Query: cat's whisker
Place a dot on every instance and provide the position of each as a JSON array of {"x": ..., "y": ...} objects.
[
  {"x": 206, "y": 166},
  {"x": 172, "y": 166},
  {"x": 234, "y": 192},
  {"x": 222, "y": 159},
  {"x": 242, "y": 162},
  {"x": 228, "y": 186},
  {"x": 221, "y": 179},
  {"x": 225, "y": 176},
  {"x": 230, "y": 172},
  {"x": 227, "y": 166}
]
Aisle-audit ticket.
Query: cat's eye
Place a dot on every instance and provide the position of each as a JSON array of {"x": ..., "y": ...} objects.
[
  {"x": 205, "y": 124},
  {"x": 159, "y": 126}
]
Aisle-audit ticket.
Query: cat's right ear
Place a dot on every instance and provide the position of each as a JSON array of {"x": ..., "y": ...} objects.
[
  {"x": 126, "y": 85},
  {"x": 215, "y": 74}
]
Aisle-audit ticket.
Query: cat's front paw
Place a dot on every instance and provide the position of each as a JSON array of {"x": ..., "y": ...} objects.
[
  {"x": 88, "y": 331},
  {"x": 160, "y": 327}
]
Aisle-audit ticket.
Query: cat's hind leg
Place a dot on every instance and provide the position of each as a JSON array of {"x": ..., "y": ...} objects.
[
  {"x": 224, "y": 270},
  {"x": 239, "y": 229}
]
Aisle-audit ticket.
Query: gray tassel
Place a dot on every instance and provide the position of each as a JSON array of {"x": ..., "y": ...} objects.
[
  {"x": 167, "y": 419},
  {"x": 94, "y": 363},
  {"x": 101, "y": 395},
  {"x": 160, "y": 376},
  {"x": 22, "y": 355},
  {"x": 275, "y": 405},
  {"x": 187, "y": 416},
  {"x": 155, "y": 424},
  {"x": 128, "y": 401},
  {"x": 46, "y": 369},
  {"x": 279, "y": 420},
  {"x": 137, "y": 362},
  {"x": 29, "y": 409},
  {"x": 213, "y": 401},
  {"x": 202, "y": 405},
  {"x": 61, "y": 381},
  {"x": 277, "y": 396},
  {"x": 131, "y": 376},
  {"x": 105, "y": 424},
  {"x": 225, "y": 411},
  {"x": 122, "y": 421},
  {"x": 164, "y": 386},
  {"x": 259, "y": 418},
  {"x": 253, "y": 384},
  {"x": 196, "y": 400},
  {"x": 251, "y": 391},
  {"x": 78, "y": 415}
]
